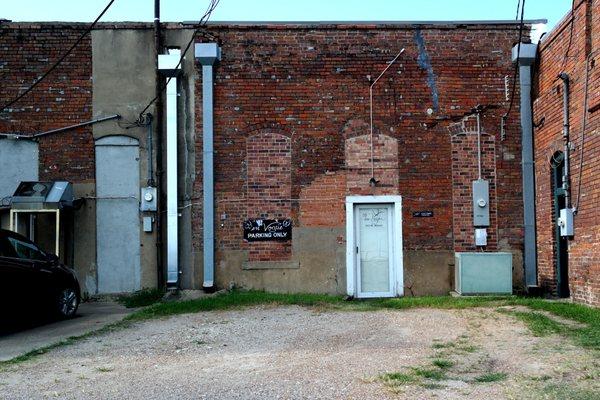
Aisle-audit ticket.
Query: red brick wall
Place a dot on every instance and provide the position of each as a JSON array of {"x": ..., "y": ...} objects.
[
  {"x": 268, "y": 189},
  {"x": 584, "y": 249},
  {"x": 310, "y": 83},
  {"x": 464, "y": 171},
  {"x": 322, "y": 202},
  {"x": 63, "y": 98}
]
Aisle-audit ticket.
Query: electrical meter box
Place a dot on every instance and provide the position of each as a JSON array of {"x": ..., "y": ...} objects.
[
  {"x": 565, "y": 222},
  {"x": 481, "y": 203},
  {"x": 148, "y": 199}
]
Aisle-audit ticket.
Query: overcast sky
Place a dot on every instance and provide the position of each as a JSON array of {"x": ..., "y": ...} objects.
[{"x": 280, "y": 10}]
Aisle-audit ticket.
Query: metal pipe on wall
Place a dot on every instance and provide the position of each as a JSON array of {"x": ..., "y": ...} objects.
[
  {"x": 208, "y": 54},
  {"x": 525, "y": 54},
  {"x": 172, "y": 172},
  {"x": 150, "y": 177},
  {"x": 158, "y": 123},
  {"x": 566, "y": 133},
  {"x": 479, "y": 143}
]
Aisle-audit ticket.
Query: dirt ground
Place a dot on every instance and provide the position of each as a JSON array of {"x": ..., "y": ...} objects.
[{"x": 300, "y": 353}]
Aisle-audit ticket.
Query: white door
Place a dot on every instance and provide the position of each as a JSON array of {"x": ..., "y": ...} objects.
[{"x": 375, "y": 266}]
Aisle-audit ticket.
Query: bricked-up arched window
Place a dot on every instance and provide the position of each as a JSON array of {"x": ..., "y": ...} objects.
[
  {"x": 464, "y": 172},
  {"x": 269, "y": 189}
]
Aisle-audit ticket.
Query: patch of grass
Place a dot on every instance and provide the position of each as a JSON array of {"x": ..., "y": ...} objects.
[
  {"x": 435, "y": 374},
  {"x": 588, "y": 336},
  {"x": 34, "y": 353},
  {"x": 4, "y": 365},
  {"x": 467, "y": 348},
  {"x": 431, "y": 385},
  {"x": 239, "y": 299},
  {"x": 539, "y": 324},
  {"x": 444, "y": 345},
  {"x": 491, "y": 377},
  {"x": 141, "y": 298},
  {"x": 541, "y": 378},
  {"x": 562, "y": 392},
  {"x": 104, "y": 369},
  {"x": 442, "y": 363},
  {"x": 397, "y": 378},
  {"x": 232, "y": 300}
]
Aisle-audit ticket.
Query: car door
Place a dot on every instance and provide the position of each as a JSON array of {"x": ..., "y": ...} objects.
[
  {"x": 9, "y": 271},
  {"x": 30, "y": 273}
]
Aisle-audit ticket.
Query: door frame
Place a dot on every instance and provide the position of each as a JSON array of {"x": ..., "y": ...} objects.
[{"x": 396, "y": 245}]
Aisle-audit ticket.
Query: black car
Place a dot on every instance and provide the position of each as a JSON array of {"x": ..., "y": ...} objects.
[{"x": 33, "y": 281}]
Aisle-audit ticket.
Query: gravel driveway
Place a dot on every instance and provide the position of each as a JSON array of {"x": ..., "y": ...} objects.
[{"x": 301, "y": 353}]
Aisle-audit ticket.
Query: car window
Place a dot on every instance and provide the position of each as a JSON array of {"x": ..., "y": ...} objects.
[
  {"x": 6, "y": 250},
  {"x": 26, "y": 250}
]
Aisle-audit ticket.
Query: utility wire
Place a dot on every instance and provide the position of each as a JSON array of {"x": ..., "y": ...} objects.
[
  {"x": 516, "y": 71},
  {"x": 566, "y": 57},
  {"x": 583, "y": 127},
  {"x": 201, "y": 23},
  {"x": 60, "y": 60}
]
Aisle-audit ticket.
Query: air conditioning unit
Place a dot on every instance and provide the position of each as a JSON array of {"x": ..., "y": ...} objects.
[{"x": 483, "y": 273}]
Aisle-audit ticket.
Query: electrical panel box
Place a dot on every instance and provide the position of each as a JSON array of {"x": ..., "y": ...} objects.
[
  {"x": 481, "y": 203},
  {"x": 483, "y": 273},
  {"x": 481, "y": 237},
  {"x": 148, "y": 199},
  {"x": 147, "y": 224},
  {"x": 565, "y": 221}
]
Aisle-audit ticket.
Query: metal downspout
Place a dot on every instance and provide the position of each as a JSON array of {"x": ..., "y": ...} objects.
[
  {"x": 158, "y": 126},
  {"x": 172, "y": 194},
  {"x": 170, "y": 68},
  {"x": 566, "y": 133},
  {"x": 208, "y": 54},
  {"x": 526, "y": 56}
]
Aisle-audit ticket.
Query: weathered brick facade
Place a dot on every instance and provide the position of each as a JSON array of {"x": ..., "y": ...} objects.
[
  {"x": 567, "y": 49},
  {"x": 311, "y": 84},
  {"x": 63, "y": 98},
  {"x": 292, "y": 139}
]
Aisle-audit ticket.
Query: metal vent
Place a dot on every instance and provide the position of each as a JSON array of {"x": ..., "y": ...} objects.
[{"x": 43, "y": 195}]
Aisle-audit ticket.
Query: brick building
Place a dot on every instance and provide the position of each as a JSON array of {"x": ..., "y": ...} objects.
[
  {"x": 292, "y": 142},
  {"x": 569, "y": 266}
]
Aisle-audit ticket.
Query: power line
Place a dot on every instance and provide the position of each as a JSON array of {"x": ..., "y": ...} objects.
[
  {"x": 201, "y": 23},
  {"x": 516, "y": 70},
  {"x": 566, "y": 57},
  {"x": 583, "y": 127},
  {"x": 60, "y": 60}
]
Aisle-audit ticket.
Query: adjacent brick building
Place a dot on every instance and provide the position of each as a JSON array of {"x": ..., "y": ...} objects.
[
  {"x": 292, "y": 140},
  {"x": 572, "y": 47}
]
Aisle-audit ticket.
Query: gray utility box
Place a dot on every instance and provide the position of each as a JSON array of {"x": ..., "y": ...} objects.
[
  {"x": 483, "y": 273},
  {"x": 481, "y": 203}
]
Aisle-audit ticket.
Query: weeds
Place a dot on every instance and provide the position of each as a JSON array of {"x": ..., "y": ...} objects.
[
  {"x": 141, "y": 298},
  {"x": 491, "y": 377},
  {"x": 435, "y": 374},
  {"x": 397, "y": 378},
  {"x": 442, "y": 363}
]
